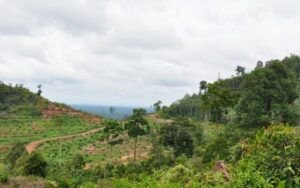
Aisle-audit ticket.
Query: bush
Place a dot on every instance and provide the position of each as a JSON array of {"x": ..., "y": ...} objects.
[
  {"x": 4, "y": 178},
  {"x": 218, "y": 149},
  {"x": 177, "y": 138},
  {"x": 35, "y": 165},
  {"x": 16, "y": 152},
  {"x": 77, "y": 162},
  {"x": 207, "y": 179},
  {"x": 88, "y": 185},
  {"x": 271, "y": 158},
  {"x": 158, "y": 158},
  {"x": 250, "y": 178},
  {"x": 63, "y": 184},
  {"x": 178, "y": 174}
]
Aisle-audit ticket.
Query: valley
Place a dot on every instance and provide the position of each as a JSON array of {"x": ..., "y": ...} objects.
[{"x": 237, "y": 132}]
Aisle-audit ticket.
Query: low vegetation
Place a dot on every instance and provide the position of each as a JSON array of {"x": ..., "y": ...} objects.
[{"x": 236, "y": 132}]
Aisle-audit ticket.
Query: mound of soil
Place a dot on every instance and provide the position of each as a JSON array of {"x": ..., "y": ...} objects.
[{"x": 53, "y": 110}]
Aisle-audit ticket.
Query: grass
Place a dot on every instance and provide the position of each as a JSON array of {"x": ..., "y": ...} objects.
[
  {"x": 28, "y": 129},
  {"x": 2, "y": 169},
  {"x": 94, "y": 150}
]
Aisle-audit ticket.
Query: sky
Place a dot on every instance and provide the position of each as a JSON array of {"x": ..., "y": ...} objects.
[{"x": 120, "y": 52}]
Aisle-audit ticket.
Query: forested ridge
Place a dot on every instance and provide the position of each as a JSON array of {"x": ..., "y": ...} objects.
[
  {"x": 238, "y": 132},
  {"x": 269, "y": 91}
]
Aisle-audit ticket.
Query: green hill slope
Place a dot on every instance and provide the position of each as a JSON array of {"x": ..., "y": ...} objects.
[{"x": 19, "y": 100}]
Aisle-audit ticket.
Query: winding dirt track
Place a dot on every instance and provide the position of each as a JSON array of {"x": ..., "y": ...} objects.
[{"x": 33, "y": 145}]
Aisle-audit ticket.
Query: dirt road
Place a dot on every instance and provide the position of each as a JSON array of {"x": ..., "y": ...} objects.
[
  {"x": 33, "y": 145},
  {"x": 155, "y": 118}
]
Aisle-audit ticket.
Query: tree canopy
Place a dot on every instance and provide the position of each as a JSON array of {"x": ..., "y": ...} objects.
[
  {"x": 263, "y": 96},
  {"x": 137, "y": 126},
  {"x": 266, "y": 96}
]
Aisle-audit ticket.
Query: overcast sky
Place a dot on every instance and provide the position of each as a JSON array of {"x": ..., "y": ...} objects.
[{"x": 134, "y": 52}]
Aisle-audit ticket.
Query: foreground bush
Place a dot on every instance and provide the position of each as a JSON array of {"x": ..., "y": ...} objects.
[
  {"x": 16, "y": 152},
  {"x": 88, "y": 185},
  {"x": 178, "y": 174},
  {"x": 77, "y": 162},
  {"x": 4, "y": 178},
  {"x": 35, "y": 165},
  {"x": 271, "y": 159}
]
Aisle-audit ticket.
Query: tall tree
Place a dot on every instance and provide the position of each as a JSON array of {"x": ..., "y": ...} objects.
[
  {"x": 217, "y": 98},
  {"x": 157, "y": 106},
  {"x": 266, "y": 95},
  {"x": 111, "y": 110},
  {"x": 293, "y": 64},
  {"x": 240, "y": 71},
  {"x": 137, "y": 126},
  {"x": 184, "y": 143},
  {"x": 39, "y": 92},
  {"x": 177, "y": 138},
  {"x": 203, "y": 86},
  {"x": 112, "y": 130},
  {"x": 259, "y": 65}
]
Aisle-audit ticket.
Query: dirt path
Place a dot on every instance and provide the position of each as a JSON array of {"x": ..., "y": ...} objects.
[
  {"x": 33, "y": 145},
  {"x": 155, "y": 118}
]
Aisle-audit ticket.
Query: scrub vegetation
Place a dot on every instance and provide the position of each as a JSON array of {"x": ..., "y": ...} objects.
[{"x": 237, "y": 132}]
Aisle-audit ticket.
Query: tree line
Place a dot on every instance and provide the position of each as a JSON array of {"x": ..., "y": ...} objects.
[{"x": 263, "y": 96}]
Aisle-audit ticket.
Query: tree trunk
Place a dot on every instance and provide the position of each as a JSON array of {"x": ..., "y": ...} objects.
[
  {"x": 217, "y": 130},
  {"x": 134, "y": 154},
  {"x": 217, "y": 122}
]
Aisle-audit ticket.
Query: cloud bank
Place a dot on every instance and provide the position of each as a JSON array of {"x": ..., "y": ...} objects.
[{"x": 135, "y": 52}]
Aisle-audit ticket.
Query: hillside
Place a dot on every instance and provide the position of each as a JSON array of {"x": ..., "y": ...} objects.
[
  {"x": 27, "y": 117},
  {"x": 19, "y": 101},
  {"x": 237, "y": 132},
  {"x": 199, "y": 105},
  {"x": 31, "y": 124}
]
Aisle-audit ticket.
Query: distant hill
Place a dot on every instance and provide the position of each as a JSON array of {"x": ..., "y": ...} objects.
[
  {"x": 19, "y": 101},
  {"x": 119, "y": 112}
]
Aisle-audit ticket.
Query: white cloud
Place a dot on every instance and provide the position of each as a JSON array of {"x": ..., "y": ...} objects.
[{"x": 135, "y": 52}]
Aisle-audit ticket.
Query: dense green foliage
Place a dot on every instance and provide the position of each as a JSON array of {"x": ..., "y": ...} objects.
[
  {"x": 216, "y": 100},
  {"x": 15, "y": 152},
  {"x": 271, "y": 158},
  {"x": 17, "y": 99},
  {"x": 112, "y": 130},
  {"x": 137, "y": 126},
  {"x": 237, "y": 132},
  {"x": 35, "y": 164},
  {"x": 178, "y": 138},
  {"x": 265, "y": 95},
  {"x": 189, "y": 106}
]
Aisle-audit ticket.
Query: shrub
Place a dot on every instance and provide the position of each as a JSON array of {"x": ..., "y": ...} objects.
[
  {"x": 35, "y": 165},
  {"x": 77, "y": 162},
  {"x": 158, "y": 158},
  {"x": 4, "y": 178},
  {"x": 271, "y": 158},
  {"x": 250, "y": 178},
  {"x": 218, "y": 149},
  {"x": 63, "y": 184},
  {"x": 178, "y": 174},
  {"x": 88, "y": 185},
  {"x": 207, "y": 179},
  {"x": 177, "y": 138},
  {"x": 16, "y": 152}
]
